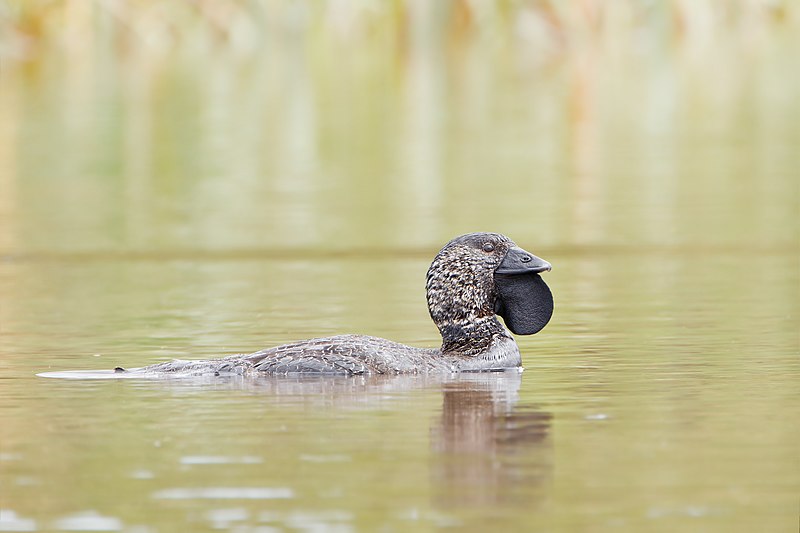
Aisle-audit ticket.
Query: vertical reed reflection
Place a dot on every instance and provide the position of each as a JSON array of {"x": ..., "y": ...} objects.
[{"x": 225, "y": 125}]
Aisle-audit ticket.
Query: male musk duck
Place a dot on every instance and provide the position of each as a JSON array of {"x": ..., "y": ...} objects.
[{"x": 471, "y": 280}]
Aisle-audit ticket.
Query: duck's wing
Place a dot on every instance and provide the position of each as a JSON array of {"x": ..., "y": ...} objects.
[
  {"x": 311, "y": 364},
  {"x": 342, "y": 354}
]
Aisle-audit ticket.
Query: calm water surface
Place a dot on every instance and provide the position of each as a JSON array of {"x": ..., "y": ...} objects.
[
  {"x": 172, "y": 207},
  {"x": 663, "y": 396}
]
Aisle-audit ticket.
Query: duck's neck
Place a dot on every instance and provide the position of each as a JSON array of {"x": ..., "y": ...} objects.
[
  {"x": 461, "y": 304},
  {"x": 472, "y": 337}
]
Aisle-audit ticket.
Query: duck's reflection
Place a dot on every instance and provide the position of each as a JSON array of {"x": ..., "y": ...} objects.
[
  {"x": 488, "y": 449},
  {"x": 486, "y": 446}
]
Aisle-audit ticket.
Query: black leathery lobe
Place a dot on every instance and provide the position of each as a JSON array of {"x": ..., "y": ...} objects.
[{"x": 524, "y": 301}]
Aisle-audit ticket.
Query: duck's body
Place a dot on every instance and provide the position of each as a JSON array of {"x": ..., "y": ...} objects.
[
  {"x": 349, "y": 355},
  {"x": 472, "y": 278}
]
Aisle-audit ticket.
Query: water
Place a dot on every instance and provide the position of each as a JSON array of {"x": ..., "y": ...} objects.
[{"x": 163, "y": 206}]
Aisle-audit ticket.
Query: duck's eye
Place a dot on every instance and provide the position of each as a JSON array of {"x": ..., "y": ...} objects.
[{"x": 488, "y": 247}]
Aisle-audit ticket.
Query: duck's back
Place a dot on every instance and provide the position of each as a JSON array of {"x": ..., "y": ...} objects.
[
  {"x": 341, "y": 354},
  {"x": 346, "y": 354}
]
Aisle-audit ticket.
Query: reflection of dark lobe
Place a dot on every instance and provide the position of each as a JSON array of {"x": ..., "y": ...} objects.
[{"x": 488, "y": 450}]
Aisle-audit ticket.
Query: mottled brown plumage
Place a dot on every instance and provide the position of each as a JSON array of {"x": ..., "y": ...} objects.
[{"x": 462, "y": 300}]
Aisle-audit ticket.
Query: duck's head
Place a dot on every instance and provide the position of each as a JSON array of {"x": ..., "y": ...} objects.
[{"x": 478, "y": 275}]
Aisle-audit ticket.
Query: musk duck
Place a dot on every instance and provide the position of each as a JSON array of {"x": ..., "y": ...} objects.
[{"x": 474, "y": 278}]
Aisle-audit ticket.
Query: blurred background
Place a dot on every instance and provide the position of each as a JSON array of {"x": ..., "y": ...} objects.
[
  {"x": 204, "y": 177},
  {"x": 246, "y": 125}
]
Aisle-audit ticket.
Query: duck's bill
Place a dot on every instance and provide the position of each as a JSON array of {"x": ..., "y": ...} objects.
[
  {"x": 523, "y": 299},
  {"x": 518, "y": 261}
]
